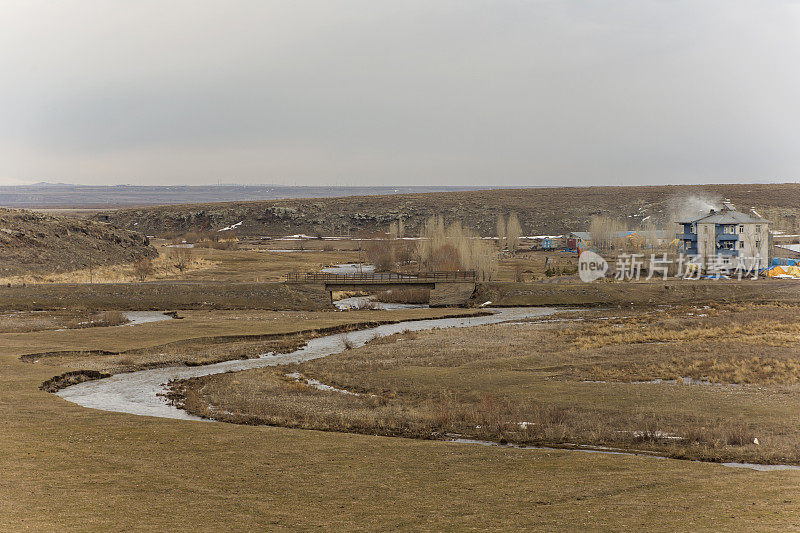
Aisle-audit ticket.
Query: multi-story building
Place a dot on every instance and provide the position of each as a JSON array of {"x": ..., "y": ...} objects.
[{"x": 727, "y": 239}]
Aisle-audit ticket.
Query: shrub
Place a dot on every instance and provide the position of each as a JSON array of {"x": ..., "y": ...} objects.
[
  {"x": 405, "y": 296},
  {"x": 111, "y": 318},
  {"x": 181, "y": 258},
  {"x": 381, "y": 254},
  {"x": 143, "y": 268}
]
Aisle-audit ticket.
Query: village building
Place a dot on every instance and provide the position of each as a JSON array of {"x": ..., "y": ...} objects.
[
  {"x": 641, "y": 240},
  {"x": 727, "y": 239},
  {"x": 577, "y": 240}
]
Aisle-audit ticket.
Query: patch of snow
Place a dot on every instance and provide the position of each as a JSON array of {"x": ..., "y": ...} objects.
[
  {"x": 349, "y": 268},
  {"x": 296, "y": 237},
  {"x": 143, "y": 317},
  {"x": 298, "y": 377},
  {"x": 232, "y": 226}
]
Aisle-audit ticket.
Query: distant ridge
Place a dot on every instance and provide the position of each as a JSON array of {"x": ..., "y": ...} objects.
[
  {"x": 64, "y": 195},
  {"x": 541, "y": 211}
]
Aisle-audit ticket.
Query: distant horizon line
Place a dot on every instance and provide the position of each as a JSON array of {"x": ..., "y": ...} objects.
[{"x": 395, "y": 186}]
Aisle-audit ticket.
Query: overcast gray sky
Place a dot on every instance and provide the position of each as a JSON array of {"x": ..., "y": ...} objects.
[{"x": 402, "y": 92}]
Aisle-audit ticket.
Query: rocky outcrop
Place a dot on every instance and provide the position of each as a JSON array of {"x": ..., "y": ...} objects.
[
  {"x": 549, "y": 211},
  {"x": 32, "y": 243}
]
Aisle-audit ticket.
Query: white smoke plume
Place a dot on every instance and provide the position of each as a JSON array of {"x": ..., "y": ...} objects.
[{"x": 692, "y": 207}]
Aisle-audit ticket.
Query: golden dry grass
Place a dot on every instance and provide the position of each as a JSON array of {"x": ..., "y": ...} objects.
[
  {"x": 251, "y": 263},
  {"x": 199, "y": 337},
  {"x": 260, "y": 264},
  {"x": 163, "y": 268},
  {"x": 527, "y": 383},
  {"x": 67, "y": 467},
  {"x": 27, "y": 321}
]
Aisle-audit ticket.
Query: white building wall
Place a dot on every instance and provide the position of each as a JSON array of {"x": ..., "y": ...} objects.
[
  {"x": 706, "y": 240},
  {"x": 753, "y": 242}
]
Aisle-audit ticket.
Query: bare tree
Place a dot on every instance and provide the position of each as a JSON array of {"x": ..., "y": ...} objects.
[
  {"x": 181, "y": 258},
  {"x": 513, "y": 232},
  {"x": 143, "y": 268},
  {"x": 501, "y": 231},
  {"x": 454, "y": 247},
  {"x": 605, "y": 232}
]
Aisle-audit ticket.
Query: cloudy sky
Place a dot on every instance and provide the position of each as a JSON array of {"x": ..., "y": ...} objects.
[{"x": 403, "y": 92}]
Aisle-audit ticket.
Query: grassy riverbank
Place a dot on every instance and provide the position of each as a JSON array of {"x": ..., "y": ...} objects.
[
  {"x": 563, "y": 291},
  {"x": 163, "y": 295},
  {"x": 553, "y": 382},
  {"x": 70, "y": 467},
  {"x": 207, "y": 337}
]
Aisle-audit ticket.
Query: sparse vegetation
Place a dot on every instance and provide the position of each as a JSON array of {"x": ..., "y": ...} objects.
[
  {"x": 164, "y": 267},
  {"x": 35, "y": 244},
  {"x": 143, "y": 269},
  {"x": 24, "y": 322},
  {"x": 181, "y": 258},
  {"x": 551, "y": 210},
  {"x": 239, "y": 335}
]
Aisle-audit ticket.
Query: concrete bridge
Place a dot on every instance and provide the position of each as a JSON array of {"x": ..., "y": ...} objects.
[{"x": 457, "y": 285}]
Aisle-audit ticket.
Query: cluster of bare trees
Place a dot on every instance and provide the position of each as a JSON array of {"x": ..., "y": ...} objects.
[
  {"x": 605, "y": 232},
  {"x": 609, "y": 233},
  {"x": 180, "y": 258},
  {"x": 454, "y": 247},
  {"x": 509, "y": 231},
  {"x": 385, "y": 254},
  {"x": 397, "y": 230}
]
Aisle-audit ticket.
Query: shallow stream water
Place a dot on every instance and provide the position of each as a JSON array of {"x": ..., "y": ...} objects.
[
  {"x": 143, "y": 317},
  {"x": 350, "y": 268},
  {"x": 138, "y": 392}
]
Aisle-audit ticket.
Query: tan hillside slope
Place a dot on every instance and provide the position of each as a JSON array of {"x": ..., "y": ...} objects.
[
  {"x": 552, "y": 210},
  {"x": 36, "y": 243}
]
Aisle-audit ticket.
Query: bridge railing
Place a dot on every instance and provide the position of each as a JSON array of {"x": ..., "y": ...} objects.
[{"x": 380, "y": 277}]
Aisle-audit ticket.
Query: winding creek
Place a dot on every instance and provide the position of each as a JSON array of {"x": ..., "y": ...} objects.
[{"x": 138, "y": 392}]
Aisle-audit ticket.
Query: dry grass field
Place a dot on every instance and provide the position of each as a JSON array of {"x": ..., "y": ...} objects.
[
  {"x": 203, "y": 337},
  {"x": 568, "y": 291},
  {"x": 260, "y": 264},
  {"x": 26, "y": 321},
  {"x": 67, "y": 467},
  {"x": 248, "y": 264},
  {"x": 531, "y": 266},
  {"x": 160, "y": 296},
  {"x": 554, "y": 382}
]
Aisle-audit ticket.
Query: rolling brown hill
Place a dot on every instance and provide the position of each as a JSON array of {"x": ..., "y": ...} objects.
[
  {"x": 541, "y": 211},
  {"x": 33, "y": 243}
]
